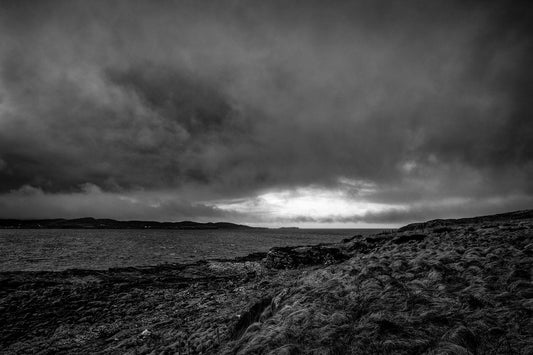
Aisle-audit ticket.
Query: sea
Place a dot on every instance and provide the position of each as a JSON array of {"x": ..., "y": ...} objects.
[{"x": 61, "y": 249}]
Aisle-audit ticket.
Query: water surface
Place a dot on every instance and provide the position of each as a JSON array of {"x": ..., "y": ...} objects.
[{"x": 50, "y": 249}]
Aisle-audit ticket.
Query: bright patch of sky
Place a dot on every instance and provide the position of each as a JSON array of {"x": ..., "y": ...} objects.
[{"x": 312, "y": 206}]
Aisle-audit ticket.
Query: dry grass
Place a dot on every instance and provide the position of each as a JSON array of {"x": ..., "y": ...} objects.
[{"x": 459, "y": 290}]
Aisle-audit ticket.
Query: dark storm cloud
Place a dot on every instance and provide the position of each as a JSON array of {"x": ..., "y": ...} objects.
[
  {"x": 223, "y": 100},
  {"x": 158, "y": 205}
]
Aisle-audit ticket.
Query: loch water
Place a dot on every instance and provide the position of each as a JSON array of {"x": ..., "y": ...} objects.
[{"x": 54, "y": 250}]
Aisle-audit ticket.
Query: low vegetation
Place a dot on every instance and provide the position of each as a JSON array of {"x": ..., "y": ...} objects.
[{"x": 454, "y": 289}]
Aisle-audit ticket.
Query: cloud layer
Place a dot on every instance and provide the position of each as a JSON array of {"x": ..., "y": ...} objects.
[{"x": 191, "y": 106}]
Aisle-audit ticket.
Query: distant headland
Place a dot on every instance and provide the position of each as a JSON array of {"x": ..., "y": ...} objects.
[{"x": 94, "y": 223}]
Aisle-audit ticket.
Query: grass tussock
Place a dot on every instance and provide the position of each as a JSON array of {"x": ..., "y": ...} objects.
[{"x": 462, "y": 289}]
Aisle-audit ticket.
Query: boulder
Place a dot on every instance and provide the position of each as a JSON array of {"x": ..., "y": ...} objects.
[{"x": 294, "y": 257}]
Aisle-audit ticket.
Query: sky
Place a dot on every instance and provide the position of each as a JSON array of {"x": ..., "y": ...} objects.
[{"x": 270, "y": 113}]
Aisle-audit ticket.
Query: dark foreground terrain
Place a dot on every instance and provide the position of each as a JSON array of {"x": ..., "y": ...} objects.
[{"x": 441, "y": 287}]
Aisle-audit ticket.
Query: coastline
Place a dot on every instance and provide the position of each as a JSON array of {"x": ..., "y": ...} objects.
[{"x": 425, "y": 287}]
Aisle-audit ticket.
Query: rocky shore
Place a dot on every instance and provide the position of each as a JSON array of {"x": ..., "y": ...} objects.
[{"x": 440, "y": 287}]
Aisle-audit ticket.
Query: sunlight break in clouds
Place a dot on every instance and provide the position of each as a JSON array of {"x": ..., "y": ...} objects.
[{"x": 310, "y": 206}]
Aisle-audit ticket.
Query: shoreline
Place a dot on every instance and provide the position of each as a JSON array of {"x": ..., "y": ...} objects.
[
  {"x": 145, "y": 248},
  {"x": 155, "y": 267}
]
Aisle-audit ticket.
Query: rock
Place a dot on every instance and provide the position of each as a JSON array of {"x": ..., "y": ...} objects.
[
  {"x": 146, "y": 333},
  {"x": 294, "y": 257},
  {"x": 347, "y": 240}
]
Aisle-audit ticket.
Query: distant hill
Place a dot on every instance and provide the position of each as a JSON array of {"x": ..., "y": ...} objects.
[
  {"x": 501, "y": 217},
  {"x": 93, "y": 223}
]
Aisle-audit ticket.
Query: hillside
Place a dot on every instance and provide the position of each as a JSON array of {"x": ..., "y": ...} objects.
[
  {"x": 93, "y": 223},
  {"x": 441, "y": 287}
]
